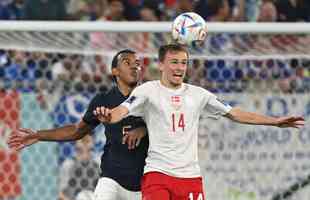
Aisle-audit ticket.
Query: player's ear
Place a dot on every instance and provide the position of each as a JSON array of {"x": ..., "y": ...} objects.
[
  {"x": 160, "y": 66},
  {"x": 115, "y": 72}
]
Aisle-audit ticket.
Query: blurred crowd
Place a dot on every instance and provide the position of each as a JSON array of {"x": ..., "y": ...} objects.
[
  {"x": 28, "y": 71},
  {"x": 156, "y": 10},
  {"x": 49, "y": 74}
]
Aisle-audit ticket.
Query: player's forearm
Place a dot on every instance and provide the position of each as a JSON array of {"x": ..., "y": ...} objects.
[
  {"x": 118, "y": 114},
  {"x": 66, "y": 133},
  {"x": 251, "y": 118}
]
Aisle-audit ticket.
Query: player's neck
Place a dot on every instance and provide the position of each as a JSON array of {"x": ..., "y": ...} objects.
[
  {"x": 125, "y": 89},
  {"x": 166, "y": 84}
]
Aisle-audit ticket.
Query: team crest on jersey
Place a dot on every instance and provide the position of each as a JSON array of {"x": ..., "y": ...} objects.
[
  {"x": 131, "y": 99},
  {"x": 176, "y": 102}
]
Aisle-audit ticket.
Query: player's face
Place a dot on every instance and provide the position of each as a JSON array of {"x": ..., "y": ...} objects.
[
  {"x": 173, "y": 68},
  {"x": 128, "y": 69}
]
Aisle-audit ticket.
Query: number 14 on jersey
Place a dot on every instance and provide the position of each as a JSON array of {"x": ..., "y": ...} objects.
[{"x": 178, "y": 121}]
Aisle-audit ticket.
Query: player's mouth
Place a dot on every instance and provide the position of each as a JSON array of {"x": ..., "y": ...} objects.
[
  {"x": 178, "y": 75},
  {"x": 134, "y": 73}
]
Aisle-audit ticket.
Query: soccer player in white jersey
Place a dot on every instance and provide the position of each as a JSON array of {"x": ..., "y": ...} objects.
[{"x": 171, "y": 110}]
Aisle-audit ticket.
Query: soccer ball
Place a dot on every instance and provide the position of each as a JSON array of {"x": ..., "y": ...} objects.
[{"x": 188, "y": 27}]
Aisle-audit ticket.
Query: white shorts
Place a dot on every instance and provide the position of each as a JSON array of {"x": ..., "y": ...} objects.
[{"x": 108, "y": 189}]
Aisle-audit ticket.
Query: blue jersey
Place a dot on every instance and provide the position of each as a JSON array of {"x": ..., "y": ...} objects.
[{"x": 122, "y": 165}]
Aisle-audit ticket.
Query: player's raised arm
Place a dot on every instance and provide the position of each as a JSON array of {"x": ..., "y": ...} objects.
[
  {"x": 26, "y": 137},
  {"x": 216, "y": 107},
  {"x": 106, "y": 115},
  {"x": 241, "y": 116}
]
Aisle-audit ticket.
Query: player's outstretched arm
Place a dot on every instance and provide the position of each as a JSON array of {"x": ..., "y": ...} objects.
[
  {"x": 240, "y": 116},
  {"x": 26, "y": 137},
  {"x": 106, "y": 115}
]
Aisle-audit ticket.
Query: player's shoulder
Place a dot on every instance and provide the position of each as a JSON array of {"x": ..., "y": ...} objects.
[
  {"x": 195, "y": 87},
  {"x": 148, "y": 85},
  {"x": 102, "y": 96},
  {"x": 199, "y": 90}
]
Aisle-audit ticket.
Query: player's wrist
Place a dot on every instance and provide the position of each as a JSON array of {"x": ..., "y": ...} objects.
[
  {"x": 276, "y": 122},
  {"x": 35, "y": 134}
]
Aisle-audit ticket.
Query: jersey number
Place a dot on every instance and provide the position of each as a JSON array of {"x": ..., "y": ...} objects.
[
  {"x": 177, "y": 122},
  {"x": 191, "y": 196}
]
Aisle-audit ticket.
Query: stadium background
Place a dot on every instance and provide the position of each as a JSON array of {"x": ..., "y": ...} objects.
[{"x": 41, "y": 89}]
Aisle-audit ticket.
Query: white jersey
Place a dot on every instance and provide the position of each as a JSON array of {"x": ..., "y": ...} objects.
[{"x": 172, "y": 118}]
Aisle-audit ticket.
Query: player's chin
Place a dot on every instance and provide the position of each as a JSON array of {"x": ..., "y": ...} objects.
[
  {"x": 177, "y": 82},
  {"x": 133, "y": 82},
  {"x": 178, "y": 79}
]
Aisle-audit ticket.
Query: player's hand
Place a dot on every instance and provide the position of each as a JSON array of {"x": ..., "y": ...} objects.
[
  {"x": 294, "y": 122},
  {"x": 103, "y": 114},
  {"x": 134, "y": 137},
  {"x": 22, "y": 138}
]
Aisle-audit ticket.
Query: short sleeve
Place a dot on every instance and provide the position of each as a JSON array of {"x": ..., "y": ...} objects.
[
  {"x": 89, "y": 117},
  {"x": 214, "y": 107},
  {"x": 136, "y": 101}
]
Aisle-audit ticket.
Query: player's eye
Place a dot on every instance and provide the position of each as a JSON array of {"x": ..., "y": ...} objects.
[
  {"x": 184, "y": 62},
  {"x": 175, "y": 62}
]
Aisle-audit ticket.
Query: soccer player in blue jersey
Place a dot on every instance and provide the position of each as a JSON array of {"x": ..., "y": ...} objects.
[{"x": 121, "y": 165}]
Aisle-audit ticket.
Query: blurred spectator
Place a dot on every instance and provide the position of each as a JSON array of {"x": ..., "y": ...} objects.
[
  {"x": 94, "y": 71},
  {"x": 202, "y": 9},
  {"x": 12, "y": 10},
  {"x": 293, "y": 10},
  {"x": 170, "y": 3},
  {"x": 284, "y": 85},
  {"x": 131, "y": 9},
  {"x": 217, "y": 10},
  {"x": 150, "y": 11},
  {"x": 237, "y": 10},
  {"x": 46, "y": 98},
  {"x": 115, "y": 11},
  {"x": 267, "y": 12},
  {"x": 184, "y": 6},
  {"x": 45, "y": 10},
  {"x": 251, "y": 10},
  {"x": 80, "y": 173},
  {"x": 86, "y": 10},
  {"x": 65, "y": 73},
  {"x": 62, "y": 71},
  {"x": 148, "y": 14},
  {"x": 195, "y": 74},
  {"x": 245, "y": 10}
]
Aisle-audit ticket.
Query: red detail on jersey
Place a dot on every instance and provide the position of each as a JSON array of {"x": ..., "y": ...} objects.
[
  {"x": 176, "y": 102},
  {"x": 180, "y": 121},
  {"x": 176, "y": 99}
]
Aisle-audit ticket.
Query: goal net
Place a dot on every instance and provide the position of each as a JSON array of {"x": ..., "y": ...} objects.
[{"x": 50, "y": 70}]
